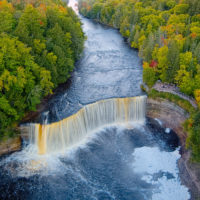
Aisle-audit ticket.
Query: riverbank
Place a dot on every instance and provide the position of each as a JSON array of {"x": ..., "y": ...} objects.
[
  {"x": 34, "y": 116},
  {"x": 172, "y": 116},
  {"x": 168, "y": 106},
  {"x": 173, "y": 89}
]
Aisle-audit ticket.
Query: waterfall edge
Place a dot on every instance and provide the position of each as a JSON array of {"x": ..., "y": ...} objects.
[{"x": 58, "y": 136}]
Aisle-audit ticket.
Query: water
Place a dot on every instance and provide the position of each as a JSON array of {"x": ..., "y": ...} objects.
[
  {"x": 115, "y": 162},
  {"x": 107, "y": 69}
]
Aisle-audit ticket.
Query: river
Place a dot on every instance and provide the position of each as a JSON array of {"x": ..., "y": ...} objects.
[
  {"x": 116, "y": 162},
  {"x": 107, "y": 69}
]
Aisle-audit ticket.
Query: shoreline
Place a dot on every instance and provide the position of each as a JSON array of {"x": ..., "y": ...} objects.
[{"x": 33, "y": 116}]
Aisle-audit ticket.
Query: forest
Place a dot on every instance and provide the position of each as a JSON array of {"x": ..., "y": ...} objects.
[
  {"x": 40, "y": 40},
  {"x": 167, "y": 36}
]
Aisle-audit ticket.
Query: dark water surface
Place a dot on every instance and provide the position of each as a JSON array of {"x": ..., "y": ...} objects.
[{"x": 116, "y": 163}]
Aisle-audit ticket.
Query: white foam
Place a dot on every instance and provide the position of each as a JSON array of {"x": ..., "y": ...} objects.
[
  {"x": 167, "y": 130},
  {"x": 150, "y": 160},
  {"x": 28, "y": 162}
]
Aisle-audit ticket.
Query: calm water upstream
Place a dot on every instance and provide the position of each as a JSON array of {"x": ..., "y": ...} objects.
[{"x": 116, "y": 162}]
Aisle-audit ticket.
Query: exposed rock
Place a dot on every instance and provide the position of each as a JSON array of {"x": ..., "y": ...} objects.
[
  {"x": 10, "y": 145},
  {"x": 170, "y": 138},
  {"x": 172, "y": 116},
  {"x": 190, "y": 174}
]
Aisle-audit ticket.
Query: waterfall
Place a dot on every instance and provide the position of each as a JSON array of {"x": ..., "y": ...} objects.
[{"x": 58, "y": 136}]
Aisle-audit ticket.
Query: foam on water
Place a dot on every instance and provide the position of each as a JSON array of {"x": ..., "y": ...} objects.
[
  {"x": 28, "y": 162},
  {"x": 167, "y": 130},
  {"x": 160, "y": 169}
]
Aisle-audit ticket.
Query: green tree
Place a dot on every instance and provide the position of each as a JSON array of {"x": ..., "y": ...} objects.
[
  {"x": 31, "y": 25},
  {"x": 173, "y": 61},
  {"x": 149, "y": 75},
  {"x": 7, "y": 21},
  {"x": 19, "y": 75}
]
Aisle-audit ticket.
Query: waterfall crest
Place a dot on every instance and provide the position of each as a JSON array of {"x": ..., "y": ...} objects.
[{"x": 67, "y": 132}]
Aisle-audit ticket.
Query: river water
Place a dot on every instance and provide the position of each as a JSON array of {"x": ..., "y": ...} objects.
[
  {"x": 116, "y": 162},
  {"x": 107, "y": 69}
]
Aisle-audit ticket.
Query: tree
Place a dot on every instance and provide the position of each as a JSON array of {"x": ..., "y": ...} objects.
[
  {"x": 173, "y": 61},
  {"x": 197, "y": 96},
  {"x": 59, "y": 43},
  {"x": 19, "y": 75},
  {"x": 31, "y": 25},
  {"x": 7, "y": 21},
  {"x": 39, "y": 43},
  {"x": 149, "y": 74},
  {"x": 161, "y": 56}
]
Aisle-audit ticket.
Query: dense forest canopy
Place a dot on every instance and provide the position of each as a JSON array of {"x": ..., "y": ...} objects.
[
  {"x": 166, "y": 32},
  {"x": 40, "y": 40},
  {"x": 167, "y": 35}
]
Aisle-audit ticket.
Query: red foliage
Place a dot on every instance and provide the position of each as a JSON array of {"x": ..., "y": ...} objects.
[
  {"x": 193, "y": 35},
  {"x": 41, "y": 23},
  {"x": 153, "y": 64},
  {"x": 43, "y": 6}
]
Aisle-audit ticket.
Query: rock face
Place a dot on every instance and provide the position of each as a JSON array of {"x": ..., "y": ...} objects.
[
  {"x": 10, "y": 145},
  {"x": 172, "y": 116}
]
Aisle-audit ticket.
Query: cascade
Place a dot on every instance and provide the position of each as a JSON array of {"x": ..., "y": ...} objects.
[{"x": 58, "y": 136}]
